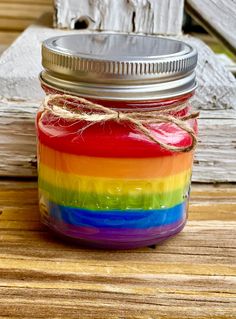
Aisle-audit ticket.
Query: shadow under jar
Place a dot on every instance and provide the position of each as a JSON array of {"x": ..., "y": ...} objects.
[{"x": 107, "y": 184}]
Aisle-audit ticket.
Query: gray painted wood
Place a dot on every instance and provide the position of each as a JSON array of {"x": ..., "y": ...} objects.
[
  {"x": 216, "y": 85},
  {"x": 218, "y": 16},
  {"x": 147, "y": 16},
  {"x": 215, "y": 159},
  {"x": 20, "y": 64},
  {"x": 17, "y": 138}
]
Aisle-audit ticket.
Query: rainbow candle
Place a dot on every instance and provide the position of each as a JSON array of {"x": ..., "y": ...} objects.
[{"x": 110, "y": 186}]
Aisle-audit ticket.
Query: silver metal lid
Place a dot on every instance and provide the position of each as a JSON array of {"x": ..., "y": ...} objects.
[{"x": 119, "y": 66}]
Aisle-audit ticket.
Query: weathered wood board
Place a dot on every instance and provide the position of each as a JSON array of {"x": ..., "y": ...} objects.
[
  {"x": 215, "y": 159},
  {"x": 21, "y": 95},
  {"x": 191, "y": 276},
  {"x": 216, "y": 85},
  {"x": 218, "y": 17},
  {"x": 23, "y": 62},
  {"x": 153, "y": 16}
]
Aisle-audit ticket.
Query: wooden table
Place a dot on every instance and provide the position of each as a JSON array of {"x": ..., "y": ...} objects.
[{"x": 190, "y": 276}]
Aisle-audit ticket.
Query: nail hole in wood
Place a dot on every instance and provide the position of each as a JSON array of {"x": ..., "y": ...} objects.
[{"x": 81, "y": 23}]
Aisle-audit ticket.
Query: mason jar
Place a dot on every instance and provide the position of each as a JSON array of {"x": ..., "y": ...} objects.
[{"x": 107, "y": 183}]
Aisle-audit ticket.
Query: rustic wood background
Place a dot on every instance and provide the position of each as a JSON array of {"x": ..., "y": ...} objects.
[
  {"x": 192, "y": 276},
  {"x": 16, "y": 15},
  {"x": 218, "y": 17},
  {"x": 19, "y": 14},
  {"x": 21, "y": 95}
]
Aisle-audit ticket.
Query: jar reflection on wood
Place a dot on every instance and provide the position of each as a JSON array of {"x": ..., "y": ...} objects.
[{"x": 110, "y": 183}]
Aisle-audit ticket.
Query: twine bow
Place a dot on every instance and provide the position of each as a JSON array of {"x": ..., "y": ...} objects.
[{"x": 75, "y": 108}]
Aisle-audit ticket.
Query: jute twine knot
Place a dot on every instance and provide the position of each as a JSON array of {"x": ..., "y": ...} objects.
[{"x": 73, "y": 108}]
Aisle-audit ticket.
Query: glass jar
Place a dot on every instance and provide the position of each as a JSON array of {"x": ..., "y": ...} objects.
[{"x": 107, "y": 184}]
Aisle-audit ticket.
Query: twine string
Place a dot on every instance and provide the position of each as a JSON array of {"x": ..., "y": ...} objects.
[{"x": 73, "y": 108}]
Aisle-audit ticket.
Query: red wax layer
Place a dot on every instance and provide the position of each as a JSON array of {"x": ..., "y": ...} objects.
[{"x": 110, "y": 139}]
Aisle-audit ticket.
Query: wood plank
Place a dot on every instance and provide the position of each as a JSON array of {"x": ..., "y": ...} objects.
[
  {"x": 218, "y": 17},
  {"x": 25, "y": 53},
  {"x": 6, "y": 38},
  {"x": 19, "y": 15},
  {"x": 215, "y": 159},
  {"x": 49, "y": 2},
  {"x": 21, "y": 160},
  {"x": 14, "y": 24},
  {"x": 191, "y": 276},
  {"x": 22, "y": 10},
  {"x": 153, "y": 16},
  {"x": 216, "y": 85}
]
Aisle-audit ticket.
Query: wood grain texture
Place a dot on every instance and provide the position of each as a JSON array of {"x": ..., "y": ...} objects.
[
  {"x": 24, "y": 60},
  {"x": 152, "y": 16},
  {"x": 16, "y": 15},
  {"x": 43, "y": 2},
  {"x": 218, "y": 17},
  {"x": 7, "y": 38},
  {"x": 216, "y": 85},
  {"x": 23, "y": 10},
  {"x": 215, "y": 159},
  {"x": 190, "y": 276},
  {"x": 17, "y": 139}
]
